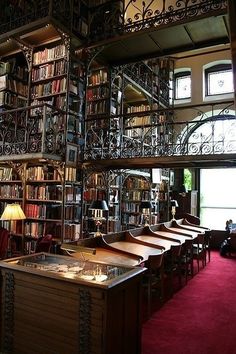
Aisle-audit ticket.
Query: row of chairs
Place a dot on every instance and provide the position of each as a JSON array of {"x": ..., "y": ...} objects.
[{"x": 169, "y": 270}]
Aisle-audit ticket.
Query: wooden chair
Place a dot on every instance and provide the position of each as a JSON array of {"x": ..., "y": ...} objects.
[
  {"x": 153, "y": 279},
  {"x": 172, "y": 267},
  {"x": 186, "y": 259},
  {"x": 4, "y": 241},
  {"x": 44, "y": 244},
  {"x": 199, "y": 250}
]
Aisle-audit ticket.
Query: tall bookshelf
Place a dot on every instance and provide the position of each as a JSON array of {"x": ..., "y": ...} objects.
[
  {"x": 49, "y": 79},
  {"x": 50, "y": 196},
  {"x": 147, "y": 89},
  {"x": 102, "y": 186},
  {"x": 13, "y": 82},
  {"x": 136, "y": 188}
]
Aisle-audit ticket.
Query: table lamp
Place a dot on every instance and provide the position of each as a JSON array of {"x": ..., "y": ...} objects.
[
  {"x": 98, "y": 206},
  {"x": 174, "y": 204},
  {"x": 145, "y": 208},
  {"x": 12, "y": 212}
]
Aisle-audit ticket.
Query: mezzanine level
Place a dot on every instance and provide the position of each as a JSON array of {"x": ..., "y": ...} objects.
[
  {"x": 208, "y": 139},
  {"x": 160, "y": 27}
]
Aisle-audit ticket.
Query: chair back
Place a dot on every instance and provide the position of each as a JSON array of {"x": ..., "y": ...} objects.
[
  {"x": 4, "y": 238},
  {"x": 44, "y": 244}
]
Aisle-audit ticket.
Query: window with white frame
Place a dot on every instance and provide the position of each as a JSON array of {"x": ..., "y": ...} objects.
[
  {"x": 183, "y": 85},
  {"x": 219, "y": 80}
]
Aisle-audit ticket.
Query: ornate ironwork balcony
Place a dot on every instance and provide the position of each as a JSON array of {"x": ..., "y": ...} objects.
[
  {"x": 37, "y": 130},
  {"x": 119, "y": 17},
  {"x": 16, "y": 13},
  {"x": 205, "y": 134}
]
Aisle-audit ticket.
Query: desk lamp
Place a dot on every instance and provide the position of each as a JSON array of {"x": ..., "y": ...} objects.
[
  {"x": 12, "y": 212},
  {"x": 174, "y": 204},
  {"x": 98, "y": 206},
  {"x": 145, "y": 207}
]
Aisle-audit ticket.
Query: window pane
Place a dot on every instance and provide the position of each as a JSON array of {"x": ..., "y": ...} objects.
[
  {"x": 217, "y": 197},
  {"x": 220, "y": 82},
  {"x": 183, "y": 87}
]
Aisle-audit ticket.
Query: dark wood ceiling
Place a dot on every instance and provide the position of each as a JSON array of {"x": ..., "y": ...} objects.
[{"x": 167, "y": 40}]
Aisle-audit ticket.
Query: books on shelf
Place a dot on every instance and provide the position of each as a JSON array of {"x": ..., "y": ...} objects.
[{"x": 48, "y": 54}]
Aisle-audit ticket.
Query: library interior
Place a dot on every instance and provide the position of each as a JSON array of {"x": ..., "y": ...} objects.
[{"x": 117, "y": 156}]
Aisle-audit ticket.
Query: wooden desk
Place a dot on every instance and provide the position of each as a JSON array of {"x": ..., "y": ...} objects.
[
  {"x": 109, "y": 256},
  {"x": 171, "y": 235},
  {"x": 155, "y": 240},
  {"x": 136, "y": 249},
  {"x": 180, "y": 230},
  {"x": 192, "y": 228}
]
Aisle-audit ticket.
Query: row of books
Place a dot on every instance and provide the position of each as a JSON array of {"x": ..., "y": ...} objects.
[
  {"x": 98, "y": 107},
  {"x": 98, "y": 77},
  {"x": 131, "y": 219},
  {"x": 139, "y": 108},
  {"x": 95, "y": 179},
  {"x": 10, "y": 67},
  {"x": 11, "y": 191},
  {"x": 97, "y": 93},
  {"x": 12, "y": 99},
  {"x": 137, "y": 121},
  {"x": 137, "y": 183},
  {"x": 72, "y": 194},
  {"x": 16, "y": 86},
  {"x": 56, "y": 101},
  {"x": 72, "y": 232},
  {"x": 6, "y": 174},
  {"x": 49, "y": 70},
  {"x": 49, "y": 88},
  {"x": 94, "y": 194},
  {"x": 43, "y": 211},
  {"x": 73, "y": 212},
  {"x": 49, "y": 192},
  {"x": 136, "y": 195},
  {"x": 42, "y": 173},
  {"x": 34, "y": 229},
  {"x": 48, "y": 54},
  {"x": 143, "y": 132},
  {"x": 131, "y": 207}
]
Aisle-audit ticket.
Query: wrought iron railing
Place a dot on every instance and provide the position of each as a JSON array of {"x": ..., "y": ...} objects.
[
  {"x": 15, "y": 14},
  {"x": 108, "y": 19},
  {"x": 205, "y": 134},
  {"x": 118, "y": 17},
  {"x": 31, "y": 130}
]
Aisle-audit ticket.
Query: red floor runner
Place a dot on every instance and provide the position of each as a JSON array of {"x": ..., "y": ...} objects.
[{"x": 200, "y": 318}]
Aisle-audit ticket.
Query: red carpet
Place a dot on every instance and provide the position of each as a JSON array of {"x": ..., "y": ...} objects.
[{"x": 200, "y": 318}]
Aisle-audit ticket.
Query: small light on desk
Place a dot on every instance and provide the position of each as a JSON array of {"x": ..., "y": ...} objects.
[
  {"x": 98, "y": 206},
  {"x": 174, "y": 205}
]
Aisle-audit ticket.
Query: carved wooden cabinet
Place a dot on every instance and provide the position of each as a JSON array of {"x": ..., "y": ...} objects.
[{"x": 59, "y": 304}]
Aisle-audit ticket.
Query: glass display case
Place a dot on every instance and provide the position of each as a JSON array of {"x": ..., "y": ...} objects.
[
  {"x": 71, "y": 268},
  {"x": 69, "y": 305}
]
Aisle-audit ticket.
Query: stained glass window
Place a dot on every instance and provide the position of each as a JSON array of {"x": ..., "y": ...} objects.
[
  {"x": 182, "y": 85},
  {"x": 219, "y": 80}
]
